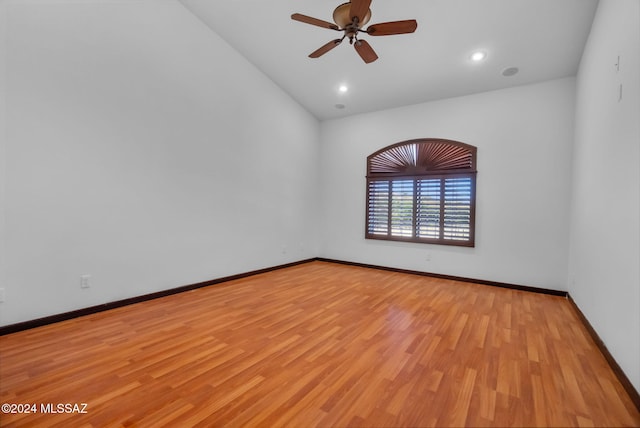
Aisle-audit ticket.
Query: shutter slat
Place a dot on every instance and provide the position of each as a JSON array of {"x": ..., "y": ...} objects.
[
  {"x": 402, "y": 208},
  {"x": 378, "y": 204},
  {"x": 428, "y": 210},
  {"x": 396, "y": 159},
  {"x": 441, "y": 156},
  {"x": 457, "y": 209}
]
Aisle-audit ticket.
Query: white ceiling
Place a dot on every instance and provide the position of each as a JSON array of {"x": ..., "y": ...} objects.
[{"x": 543, "y": 38}]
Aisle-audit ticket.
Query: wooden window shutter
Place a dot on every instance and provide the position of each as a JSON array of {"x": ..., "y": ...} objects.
[{"x": 422, "y": 191}]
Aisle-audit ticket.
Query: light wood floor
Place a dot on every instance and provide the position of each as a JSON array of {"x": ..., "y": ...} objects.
[{"x": 320, "y": 344}]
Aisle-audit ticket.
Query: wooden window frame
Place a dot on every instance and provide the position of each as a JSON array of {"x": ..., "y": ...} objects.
[{"x": 414, "y": 162}]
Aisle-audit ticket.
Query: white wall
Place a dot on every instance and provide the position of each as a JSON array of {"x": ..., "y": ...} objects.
[
  {"x": 604, "y": 273},
  {"x": 144, "y": 151},
  {"x": 524, "y": 137}
]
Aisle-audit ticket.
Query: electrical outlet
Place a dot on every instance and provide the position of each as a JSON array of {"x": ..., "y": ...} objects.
[
  {"x": 1, "y": 295},
  {"x": 85, "y": 281}
]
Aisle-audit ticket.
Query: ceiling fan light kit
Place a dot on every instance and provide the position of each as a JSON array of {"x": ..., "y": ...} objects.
[{"x": 350, "y": 18}]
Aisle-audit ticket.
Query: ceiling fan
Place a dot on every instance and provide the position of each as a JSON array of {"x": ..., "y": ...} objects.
[{"x": 350, "y": 18}]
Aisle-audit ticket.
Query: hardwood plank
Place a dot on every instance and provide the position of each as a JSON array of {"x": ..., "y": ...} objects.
[{"x": 320, "y": 344}]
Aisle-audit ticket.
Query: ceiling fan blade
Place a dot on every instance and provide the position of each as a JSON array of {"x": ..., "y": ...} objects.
[
  {"x": 365, "y": 51},
  {"x": 395, "y": 27},
  {"x": 359, "y": 9},
  {"x": 324, "y": 49},
  {"x": 314, "y": 21}
]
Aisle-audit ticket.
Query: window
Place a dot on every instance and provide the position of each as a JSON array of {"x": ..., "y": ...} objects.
[{"x": 422, "y": 191}]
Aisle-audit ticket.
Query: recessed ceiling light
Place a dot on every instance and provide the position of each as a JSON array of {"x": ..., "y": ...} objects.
[
  {"x": 478, "y": 56},
  {"x": 343, "y": 88}
]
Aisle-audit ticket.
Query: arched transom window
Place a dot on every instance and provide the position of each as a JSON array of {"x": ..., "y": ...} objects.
[{"x": 422, "y": 191}]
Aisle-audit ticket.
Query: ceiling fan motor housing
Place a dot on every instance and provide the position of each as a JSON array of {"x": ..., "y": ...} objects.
[{"x": 342, "y": 16}]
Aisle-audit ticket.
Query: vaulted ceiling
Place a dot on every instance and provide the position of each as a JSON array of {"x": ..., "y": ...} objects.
[{"x": 543, "y": 39}]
